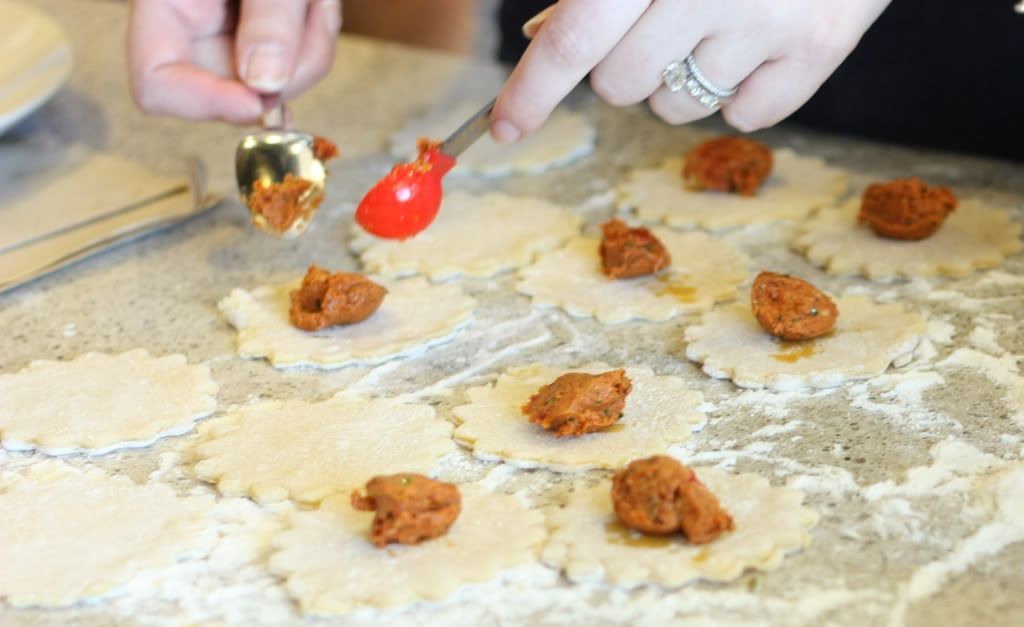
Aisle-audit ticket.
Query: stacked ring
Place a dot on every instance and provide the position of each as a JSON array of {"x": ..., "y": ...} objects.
[{"x": 686, "y": 75}]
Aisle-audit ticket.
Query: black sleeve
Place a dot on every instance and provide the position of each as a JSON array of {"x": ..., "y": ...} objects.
[
  {"x": 945, "y": 74},
  {"x": 511, "y": 17}
]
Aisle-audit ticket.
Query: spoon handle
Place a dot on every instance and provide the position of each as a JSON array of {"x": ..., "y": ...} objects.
[
  {"x": 473, "y": 129},
  {"x": 275, "y": 118}
]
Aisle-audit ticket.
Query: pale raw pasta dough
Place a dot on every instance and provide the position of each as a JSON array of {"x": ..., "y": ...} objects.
[
  {"x": 564, "y": 138},
  {"x": 868, "y": 338},
  {"x": 330, "y": 566},
  {"x": 796, "y": 186},
  {"x": 703, "y": 272},
  {"x": 70, "y": 536},
  {"x": 475, "y": 235},
  {"x": 97, "y": 403},
  {"x": 972, "y": 237},
  {"x": 588, "y": 542},
  {"x": 660, "y": 412},
  {"x": 414, "y": 316},
  {"x": 275, "y": 450}
]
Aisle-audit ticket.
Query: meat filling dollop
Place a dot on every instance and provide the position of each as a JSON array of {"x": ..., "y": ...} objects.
[
  {"x": 905, "y": 209},
  {"x": 728, "y": 164},
  {"x": 790, "y": 308},
  {"x": 660, "y": 496},
  {"x": 325, "y": 299},
  {"x": 577, "y": 403},
  {"x": 630, "y": 252},
  {"x": 410, "y": 508}
]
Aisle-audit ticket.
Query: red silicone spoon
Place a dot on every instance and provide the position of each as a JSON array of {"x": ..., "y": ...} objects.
[{"x": 407, "y": 200}]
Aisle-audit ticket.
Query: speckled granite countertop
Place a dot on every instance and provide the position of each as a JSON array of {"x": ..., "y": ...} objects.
[{"x": 933, "y": 547}]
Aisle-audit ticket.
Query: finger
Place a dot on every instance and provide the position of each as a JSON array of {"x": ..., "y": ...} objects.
[
  {"x": 532, "y": 25},
  {"x": 318, "y": 46},
  {"x": 188, "y": 92},
  {"x": 165, "y": 82},
  {"x": 575, "y": 37},
  {"x": 268, "y": 41},
  {"x": 632, "y": 70},
  {"x": 725, "y": 61},
  {"x": 780, "y": 87},
  {"x": 773, "y": 92}
]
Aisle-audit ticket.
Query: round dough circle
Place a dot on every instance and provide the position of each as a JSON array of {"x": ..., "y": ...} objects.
[
  {"x": 797, "y": 186},
  {"x": 98, "y": 403},
  {"x": 703, "y": 272},
  {"x": 275, "y": 450},
  {"x": 70, "y": 536},
  {"x": 972, "y": 237},
  {"x": 474, "y": 235},
  {"x": 660, "y": 412},
  {"x": 330, "y": 566},
  {"x": 414, "y": 316},
  {"x": 770, "y": 522},
  {"x": 564, "y": 138},
  {"x": 868, "y": 338}
]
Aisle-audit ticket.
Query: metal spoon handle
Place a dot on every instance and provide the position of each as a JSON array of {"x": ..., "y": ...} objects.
[
  {"x": 473, "y": 129},
  {"x": 275, "y": 118}
]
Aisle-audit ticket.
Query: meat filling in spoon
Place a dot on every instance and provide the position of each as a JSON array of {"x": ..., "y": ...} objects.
[{"x": 281, "y": 176}]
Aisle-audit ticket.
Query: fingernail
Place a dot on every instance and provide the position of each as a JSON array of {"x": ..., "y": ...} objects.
[
  {"x": 332, "y": 17},
  {"x": 532, "y": 25},
  {"x": 505, "y": 132},
  {"x": 267, "y": 69}
]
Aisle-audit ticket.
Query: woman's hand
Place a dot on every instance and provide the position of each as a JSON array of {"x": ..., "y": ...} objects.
[
  {"x": 777, "y": 52},
  {"x": 224, "y": 60}
]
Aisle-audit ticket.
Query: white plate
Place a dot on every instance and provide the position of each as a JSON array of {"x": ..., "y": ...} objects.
[{"x": 35, "y": 61}]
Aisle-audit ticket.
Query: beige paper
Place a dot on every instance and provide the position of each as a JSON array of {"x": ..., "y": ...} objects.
[
  {"x": 161, "y": 206},
  {"x": 73, "y": 191}
]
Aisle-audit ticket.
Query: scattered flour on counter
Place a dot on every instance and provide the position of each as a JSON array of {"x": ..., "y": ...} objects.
[
  {"x": 811, "y": 478},
  {"x": 502, "y": 340},
  {"x": 228, "y": 585},
  {"x": 828, "y": 480},
  {"x": 598, "y": 202},
  {"x": 769, "y": 431},
  {"x": 984, "y": 339},
  {"x": 906, "y": 387},
  {"x": 1006, "y": 528},
  {"x": 166, "y": 463},
  {"x": 954, "y": 463},
  {"x": 1002, "y": 370},
  {"x": 958, "y": 300},
  {"x": 941, "y": 332},
  {"x": 446, "y": 386},
  {"x": 898, "y": 396},
  {"x": 1000, "y": 278},
  {"x": 772, "y": 404}
]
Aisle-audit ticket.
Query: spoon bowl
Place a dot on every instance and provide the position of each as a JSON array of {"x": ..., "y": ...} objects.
[{"x": 267, "y": 157}]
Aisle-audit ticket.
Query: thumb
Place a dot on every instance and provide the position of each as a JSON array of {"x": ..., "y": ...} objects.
[{"x": 267, "y": 42}]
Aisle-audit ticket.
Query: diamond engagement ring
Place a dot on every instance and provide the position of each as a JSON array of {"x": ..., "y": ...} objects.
[{"x": 680, "y": 75}]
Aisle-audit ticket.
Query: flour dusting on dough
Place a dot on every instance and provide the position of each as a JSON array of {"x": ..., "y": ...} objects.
[
  {"x": 473, "y": 235},
  {"x": 730, "y": 344},
  {"x": 797, "y": 186},
  {"x": 703, "y": 271},
  {"x": 973, "y": 237},
  {"x": 659, "y": 412},
  {"x": 70, "y": 536},
  {"x": 770, "y": 522},
  {"x": 275, "y": 450},
  {"x": 97, "y": 403},
  {"x": 330, "y": 567},
  {"x": 414, "y": 316}
]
